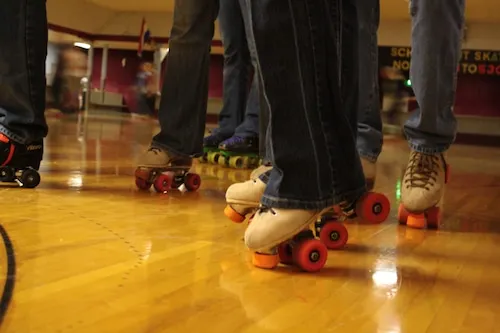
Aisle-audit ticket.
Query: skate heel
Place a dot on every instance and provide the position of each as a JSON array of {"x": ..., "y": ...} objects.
[{"x": 233, "y": 215}]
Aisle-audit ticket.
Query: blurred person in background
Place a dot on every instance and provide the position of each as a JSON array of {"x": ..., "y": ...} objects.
[
  {"x": 23, "y": 51},
  {"x": 145, "y": 91},
  {"x": 238, "y": 129},
  {"x": 67, "y": 86}
]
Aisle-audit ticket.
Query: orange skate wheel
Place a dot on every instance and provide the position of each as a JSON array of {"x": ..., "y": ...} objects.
[
  {"x": 285, "y": 253},
  {"x": 233, "y": 215},
  {"x": 310, "y": 255},
  {"x": 402, "y": 214},
  {"x": 334, "y": 235},
  {"x": 373, "y": 207},
  {"x": 142, "y": 184},
  {"x": 416, "y": 221},
  {"x": 163, "y": 183},
  {"x": 268, "y": 261},
  {"x": 433, "y": 217},
  {"x": 192, "y": 181}
]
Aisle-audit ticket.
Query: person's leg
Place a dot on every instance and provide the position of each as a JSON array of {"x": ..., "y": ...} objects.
[
  {"x": 436, "y": 43},
  {"x": 313, "y": 150},
  {"x": 246, "y": 135},
  {"x": 370, "y": 137},
  {"x": 236, "y": 72},
  {"x": 23, "y": 50},
  {"x": 183, "y": 105}
]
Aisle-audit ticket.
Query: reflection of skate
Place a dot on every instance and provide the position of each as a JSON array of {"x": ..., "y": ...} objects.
[
  {"x": 20, "y": 162},
  {"x": 423, "y": 190},
  {"x": 164, "y": 179},
  {"x": 308, "y": 248}
]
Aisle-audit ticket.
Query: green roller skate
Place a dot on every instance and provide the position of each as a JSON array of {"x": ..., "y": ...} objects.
[
  {"x": 239, "y": 153},
  {"x": 211, "y": 148}
]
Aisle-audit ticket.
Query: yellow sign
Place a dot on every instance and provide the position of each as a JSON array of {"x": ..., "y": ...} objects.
[{"x": 471, "y": 61}]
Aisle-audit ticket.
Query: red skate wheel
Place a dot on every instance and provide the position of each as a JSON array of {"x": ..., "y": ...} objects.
[
  {"x": 192, "y": 181},
  {"x": 433, "y": 217},
  {"x": 163, "y": 183},
  {"x": 310, "y": 255},
  {"x": 141, "y": 173},
  {"x": 142, "y": 184},
  {"x": 285, "y": 252},
  {"x": 402, "y": 214},
  {"x": 373, "y": 207},
  {"x": 334, "y": 235}
]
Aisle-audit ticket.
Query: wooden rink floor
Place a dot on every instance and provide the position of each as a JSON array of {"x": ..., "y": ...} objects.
[{"x": 92, "y": 254}]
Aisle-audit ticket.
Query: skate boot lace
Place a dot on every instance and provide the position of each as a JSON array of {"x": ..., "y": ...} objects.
[
  {"x": 264, "y": 209},
  {"x": 155, "y": 150},
  {"x": 422, "y": 170}
]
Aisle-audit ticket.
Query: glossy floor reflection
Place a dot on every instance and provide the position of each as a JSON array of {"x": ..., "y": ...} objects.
[{"x": 93, "y": 254}]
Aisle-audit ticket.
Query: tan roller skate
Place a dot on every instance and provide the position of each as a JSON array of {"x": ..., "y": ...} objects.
[
  {"x": 422, "y": 190},
  {"x": 165, "y": 171},
  {"x": 244, "y": 198},
  {"x": 294, "y": 237}
]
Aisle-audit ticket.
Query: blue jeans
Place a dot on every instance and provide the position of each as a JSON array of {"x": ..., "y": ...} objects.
[
  {"x": 240, "y": 111},
  {"x": 370, "y": 137},
  {"x": 436, "y": 42},
  {"x": 23, "y": 50},
  {"x": 183, "y": 105},
  {"x": 312, "y": 134}
]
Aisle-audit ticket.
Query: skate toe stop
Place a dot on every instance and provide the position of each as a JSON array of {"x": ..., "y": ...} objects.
[
  {"x": 267, "y": 261},
  {"x": 233, "y": 215}
]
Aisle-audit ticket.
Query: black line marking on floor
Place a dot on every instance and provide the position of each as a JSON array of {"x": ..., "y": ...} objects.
[{"x": 10, "y": 279}]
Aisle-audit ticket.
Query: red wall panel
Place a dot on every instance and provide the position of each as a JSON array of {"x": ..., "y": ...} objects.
[{"x": 476, "y": 94}]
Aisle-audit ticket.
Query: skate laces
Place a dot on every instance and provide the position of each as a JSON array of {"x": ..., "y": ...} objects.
[
  {"x": 155, "y": 150},
  {"x": 421, "y": 170},
  {"x": 265, "y": 209}
]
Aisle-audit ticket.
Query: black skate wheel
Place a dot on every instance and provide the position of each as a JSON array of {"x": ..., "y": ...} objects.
[
  {"x": 30, "y": 178},
  {"x": 7, "y": 175}
]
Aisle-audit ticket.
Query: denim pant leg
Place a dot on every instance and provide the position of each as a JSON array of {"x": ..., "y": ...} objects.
[
  {"x": 436, "y": 43},
  {"x": 183, "y": 104},
  {"x": 250, "y": 125},
  {"x": 237, "y": 66},
  {"x": 313, "y": 148},
  {"x": 370, "y": 137},
  {"x": 23, "y": 50}
]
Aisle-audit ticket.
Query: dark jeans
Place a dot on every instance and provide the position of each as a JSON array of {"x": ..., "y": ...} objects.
[
  {"x": 313, "y": 125},
  {"x": 370, "y": 138},
  {"x": 183, "y": 105},
  {"x": 240, "y": 111},
  {"x": 23, "y": 50}
]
